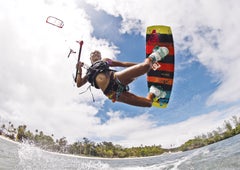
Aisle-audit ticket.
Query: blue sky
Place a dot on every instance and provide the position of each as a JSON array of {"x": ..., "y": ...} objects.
[{"x": 37, "y": 86}]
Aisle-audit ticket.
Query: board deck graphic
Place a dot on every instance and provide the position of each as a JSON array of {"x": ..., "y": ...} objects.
[{"x": 159, "y": 35}]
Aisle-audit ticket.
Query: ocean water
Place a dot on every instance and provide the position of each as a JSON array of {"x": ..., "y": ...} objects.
[{"x": 224, "y": 155}]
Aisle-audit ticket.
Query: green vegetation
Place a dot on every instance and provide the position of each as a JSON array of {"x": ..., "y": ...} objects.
[
  {"x": 108, "y": 149},
  {"x": 230, "y": 129}
]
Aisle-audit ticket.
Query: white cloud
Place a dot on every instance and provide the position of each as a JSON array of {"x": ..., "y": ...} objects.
[
  {"x": 141, "y": 130},
  {"x": 122, "y": 127}
]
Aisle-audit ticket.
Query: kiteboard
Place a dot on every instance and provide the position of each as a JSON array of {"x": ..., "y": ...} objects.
[{"x": 162, "y": 77}]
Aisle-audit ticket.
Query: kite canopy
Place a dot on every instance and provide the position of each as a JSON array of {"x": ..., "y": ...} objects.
[{"x": 55, "y": 21}]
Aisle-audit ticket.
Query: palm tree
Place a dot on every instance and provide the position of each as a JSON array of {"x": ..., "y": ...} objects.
[
  {"x": 41, "y": 133},
  {"x": 21, "y": 132},
  {"x": 3, "y": 128}
]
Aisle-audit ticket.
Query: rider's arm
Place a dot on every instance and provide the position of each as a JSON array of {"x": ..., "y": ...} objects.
[
  {"x": 80, "y": 80},
  {"x": 114, "y": 63}
]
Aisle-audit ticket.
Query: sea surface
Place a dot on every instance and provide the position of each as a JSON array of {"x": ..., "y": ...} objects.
[{"x": 224, "y": 155}]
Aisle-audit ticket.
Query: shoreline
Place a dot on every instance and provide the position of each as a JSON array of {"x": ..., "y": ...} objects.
[
  {"x": 79, "y": 156},
  {"x": 9, "y": 140}
]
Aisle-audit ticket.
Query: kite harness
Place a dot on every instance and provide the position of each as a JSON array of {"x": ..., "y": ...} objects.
[
  {"x": 95, "y": 69},
  {"x": 114, "y": 88}
]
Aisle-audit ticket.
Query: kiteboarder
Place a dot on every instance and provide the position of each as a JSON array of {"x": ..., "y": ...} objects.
[{"x": 114, "y": 84}]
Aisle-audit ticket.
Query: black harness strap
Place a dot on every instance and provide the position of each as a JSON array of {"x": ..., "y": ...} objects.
[{"x": 95, "y": 69}]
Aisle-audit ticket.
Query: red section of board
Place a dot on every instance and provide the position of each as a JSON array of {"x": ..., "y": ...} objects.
[
  {"x": 166, "y": 81},
  {"x": 166, "y": 67}
]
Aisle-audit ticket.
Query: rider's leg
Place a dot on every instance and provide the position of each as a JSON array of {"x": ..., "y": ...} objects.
[
  {"x": 127, "y": 75},
  {"x": 132, "y": 99}
]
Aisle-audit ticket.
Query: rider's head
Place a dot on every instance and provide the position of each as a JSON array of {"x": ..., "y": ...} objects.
[{"x": 95, "y": 56}]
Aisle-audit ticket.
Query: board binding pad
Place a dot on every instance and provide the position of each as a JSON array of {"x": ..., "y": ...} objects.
[{"x": 162, "y": 78}]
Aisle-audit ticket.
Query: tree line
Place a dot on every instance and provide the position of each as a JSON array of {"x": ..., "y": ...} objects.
[
  {"x": 105, "y": 149},
  {"x": 85, "y": 147},
  {"x": 230, "y": 129}
]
